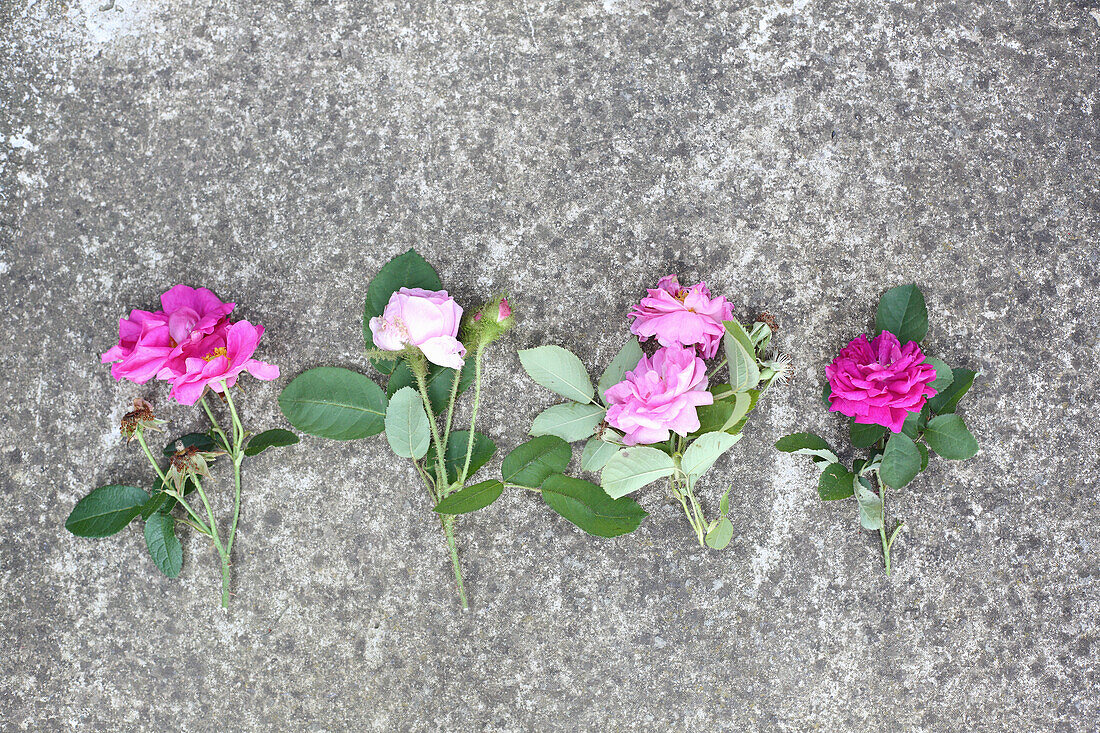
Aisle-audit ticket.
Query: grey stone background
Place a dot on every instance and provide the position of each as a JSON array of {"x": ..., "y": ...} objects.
[{"x": 800, "y": 156}]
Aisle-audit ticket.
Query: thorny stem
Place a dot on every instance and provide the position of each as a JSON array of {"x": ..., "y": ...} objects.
[
  {"x": 473, "y": 418},
  {"x": 419, "y": 369},
  {"x": 451, "y": 404},
  {"x": 214, "y": 422}
]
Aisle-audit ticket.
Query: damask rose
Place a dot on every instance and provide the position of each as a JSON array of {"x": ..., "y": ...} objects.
[
  {"x": 678, "y": 316},
  {"x": 426, "y": 319},
  {"x": 148, "y": 340},
  {"x": 880, "y": 382},
  {"x": 659, "y": 395},
  {"x": 218, "y": 359}
]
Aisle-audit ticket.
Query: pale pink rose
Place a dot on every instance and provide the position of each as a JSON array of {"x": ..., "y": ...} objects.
[
  {"x": 426, "y": 319},
  {"x": 679, "y": 316},
  {"x": 144, "y": 345},
  {"x": 880, "y": 382},
  {"x": 220, "y": 357},
  {"x": 659, "y": 395}
]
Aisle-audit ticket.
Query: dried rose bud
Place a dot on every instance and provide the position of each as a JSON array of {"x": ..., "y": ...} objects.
[
  {"x": 190, "y": 461},
  {"x": 138, "y": 419},
  {"x": 769, "y": 319}
]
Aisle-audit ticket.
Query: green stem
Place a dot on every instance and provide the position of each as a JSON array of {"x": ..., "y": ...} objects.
[
  {"x": 448, "y": 531},
  {"x": 473, "y": 417},
  {"x": 451, "y": 404},
  {"x": 716, "y": 368},
  {"x": 214, "y": 422},
  {"x": 194, "y": 515},
  {"x": 238, "y": 456},
  {"x": 217, "y": 542},
  {"x": 419, "y": 369},
  {"x": 149, "y": 454}
]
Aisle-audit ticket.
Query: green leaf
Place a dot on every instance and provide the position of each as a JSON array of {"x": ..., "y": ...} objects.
[
  {"x": 923, "y": 455},
  {"x": 870, "y": 507},
  {"x": 106, "y": 510},
  {"x": 807, "y": 444},
  {"x": 948, "y": 436},
  {"x": 627, "y": 358},
  {"x": 721, "y": 535},
  {"x": 826, "y": 392},
  {"x": 559, "y": 371},
  {"x": 530, "y": 463},
  {"x": 902, "y": 312},
  {"x": 334, "y": 403},
  {"x": 724, "y": 415},
  {"x": 406, "y": 423},
  {"x": 724, "y": 502},
  {"x": 745, "y": 401},
  {"x": 943, "y": 374},
  {"x": 276, "y": 438},
  {"x": 945, "y": 402},
  {"x": 471, "y": 498},
  {"x": 163, "y": 545},
  {"x": 439, "y": 382},
  {"x": 835, "y": 482},
  {"x": 569, "y": 421},
  {"x": 202, "y": 441},
  {"x": 912, "y": 426},
  {"x": 744, "y": 370},
  {"x": 596, "y": 454},
  {"x": 408, "y": 270},
  {"x": 632, "y": 468},
  {"x": 454, "y": 458},
  {"x": 587, "y": 506},
  {"x": 900, "y": 461},
  {"x": 703, "y": 452},
  {"x": 864, "y": 436}
]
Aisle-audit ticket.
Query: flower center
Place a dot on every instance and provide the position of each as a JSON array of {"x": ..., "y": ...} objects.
[{"x": 220, "y": 351}]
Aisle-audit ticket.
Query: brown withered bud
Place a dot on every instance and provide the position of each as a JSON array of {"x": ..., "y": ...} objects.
[
  {"x": 769, "y": 319},
  {"x": 190, "y": 461},
  {"x": 139, "y": 418}
]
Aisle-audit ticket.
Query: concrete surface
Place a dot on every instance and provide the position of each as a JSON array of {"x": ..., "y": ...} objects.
[{"x": 800, "y": 156}]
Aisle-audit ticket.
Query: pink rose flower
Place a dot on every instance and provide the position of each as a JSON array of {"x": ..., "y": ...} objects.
[
  {"x": 192, "y": 312},
  {"x": 144, "y": 345},
  {"x": 220, "y": 357},
  {"x": 147, "y": 340},
  {"x": 426, "y": 319},
  {"x": 681, "y": 316},
  {"x": 658, "y": 396},
  {"x": 880, "y": 382}
]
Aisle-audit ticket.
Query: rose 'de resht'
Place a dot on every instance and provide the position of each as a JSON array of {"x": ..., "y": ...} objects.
[{"x": 879, "y": 382}]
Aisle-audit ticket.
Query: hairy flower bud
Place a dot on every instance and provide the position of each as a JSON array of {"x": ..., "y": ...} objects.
[{"x": 493, "y": 320}]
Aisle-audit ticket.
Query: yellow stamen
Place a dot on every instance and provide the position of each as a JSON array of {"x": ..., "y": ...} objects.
[{"x": 220, "y": 351}]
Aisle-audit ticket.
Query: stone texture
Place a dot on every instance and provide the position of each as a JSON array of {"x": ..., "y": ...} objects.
[{"x": 800, "y": 156}]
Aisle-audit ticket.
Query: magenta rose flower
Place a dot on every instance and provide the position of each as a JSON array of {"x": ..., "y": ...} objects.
[
  {"x": 880, "y": 382},
  {"x": 144, "y": 345},
  {"x": 148, "y": 340},
  {"x": 220, "y": 358},
  {"x": 679, "y": 316},
  {"x": 426, "y": 319},
  {"x": 658, "y": 396}
]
